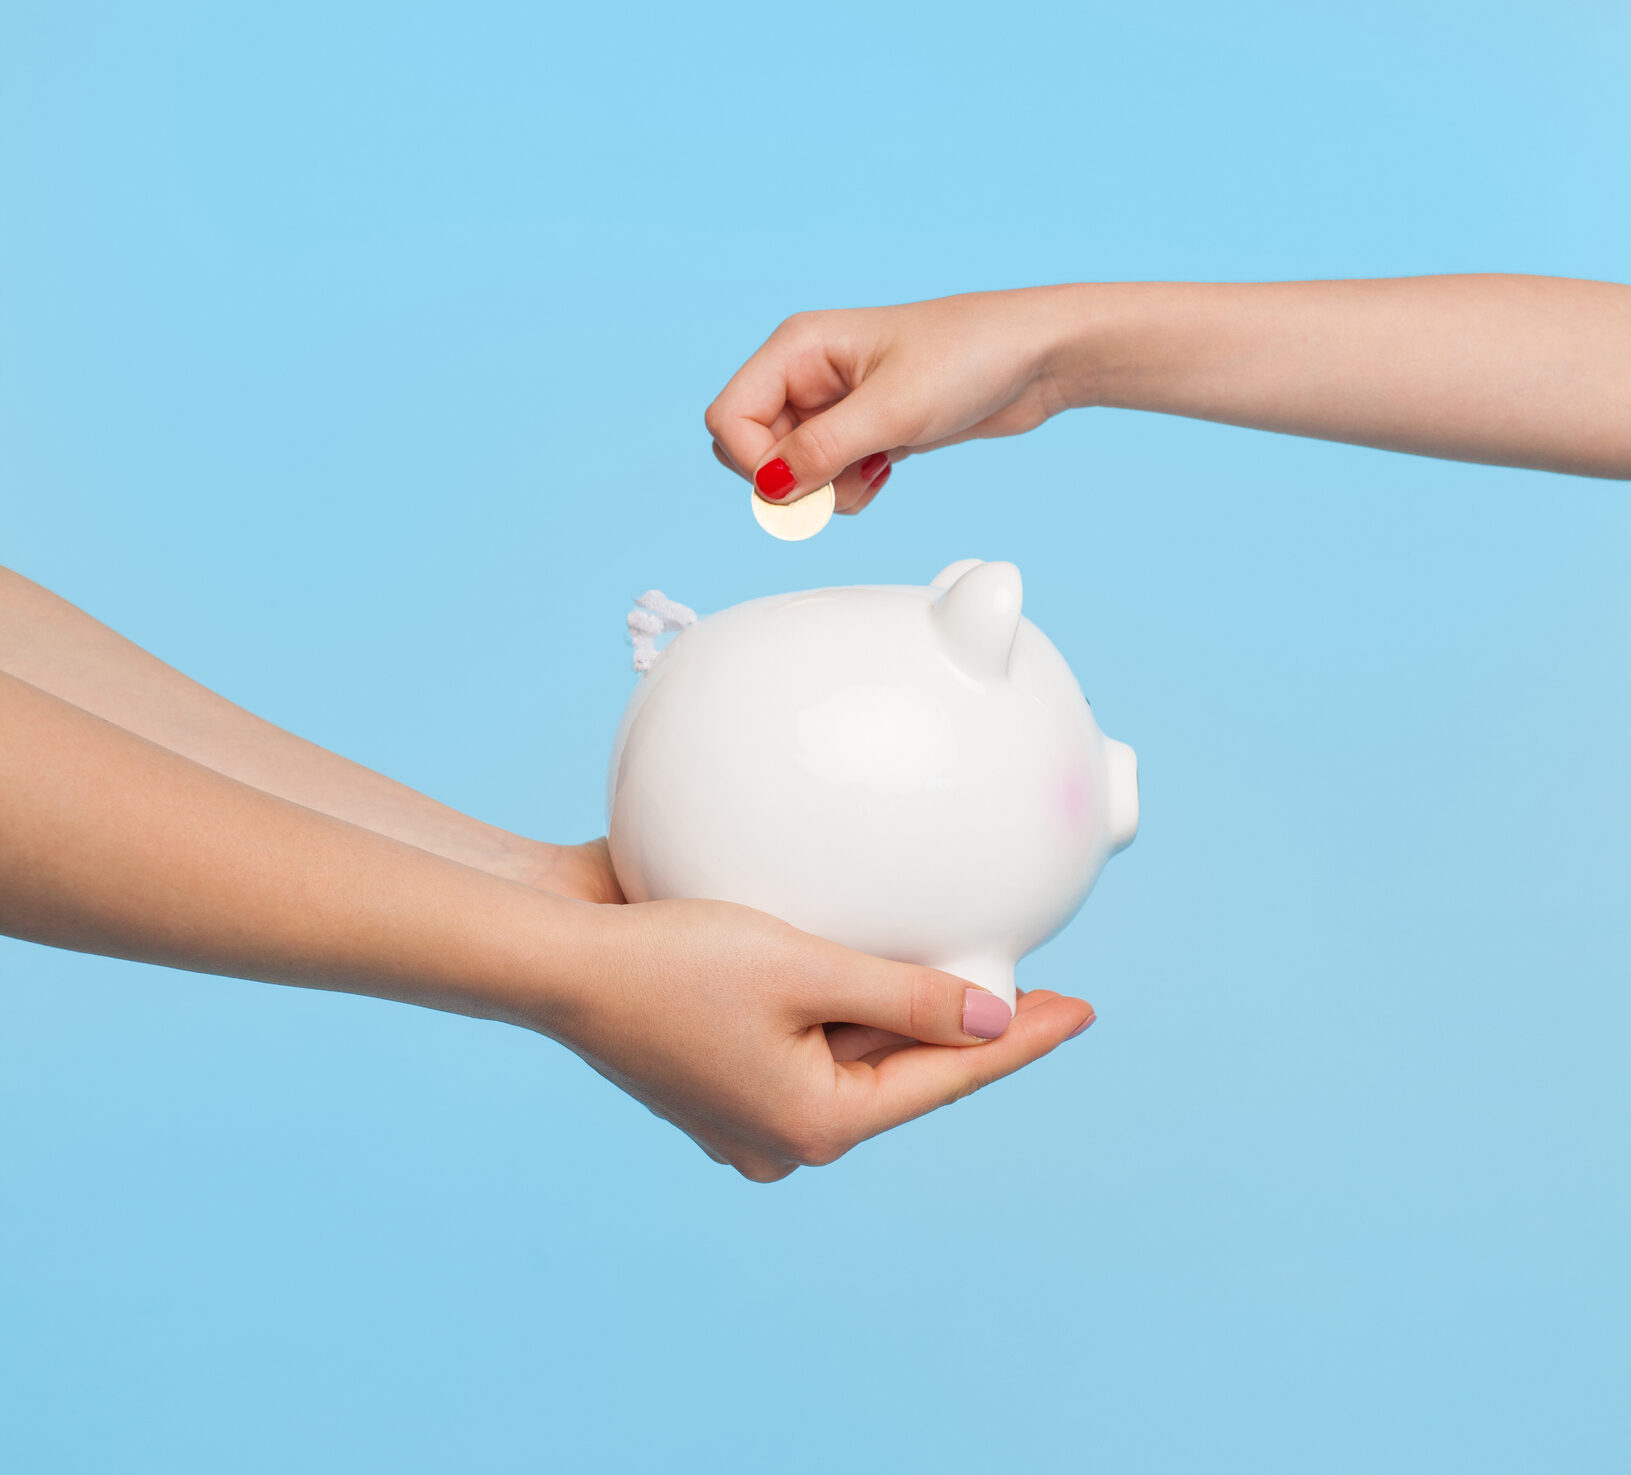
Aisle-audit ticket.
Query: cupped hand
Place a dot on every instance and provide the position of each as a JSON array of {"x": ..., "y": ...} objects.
[
  {"x": 841, "y": 396},
  {"x": 773, "y": 1049}
]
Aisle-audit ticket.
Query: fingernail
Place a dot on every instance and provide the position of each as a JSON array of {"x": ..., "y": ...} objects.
[
  {"x": 774, "y": 479},
  {"x": 985, "y": 1016},
  {"x": 870, "y": 467},
  {"x": 1082, "y": 1027},
  {"x": 878, "y": 484}
]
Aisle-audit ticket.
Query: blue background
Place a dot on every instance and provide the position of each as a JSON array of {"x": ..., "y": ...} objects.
[{"x": 353, "y": 358}]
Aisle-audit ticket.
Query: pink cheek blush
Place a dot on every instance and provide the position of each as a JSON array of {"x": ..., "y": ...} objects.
[{"x": 1076, "y": 802}]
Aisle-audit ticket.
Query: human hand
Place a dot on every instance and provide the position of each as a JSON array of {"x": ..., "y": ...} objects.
[
  {"x": 841, "y": 396},
  {"x": 773, "y": 1049}
]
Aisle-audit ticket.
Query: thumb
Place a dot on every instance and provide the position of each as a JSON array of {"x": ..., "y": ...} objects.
[
  {"x": 919, "y": 1003},
  {"x": 820, "y": 449}
]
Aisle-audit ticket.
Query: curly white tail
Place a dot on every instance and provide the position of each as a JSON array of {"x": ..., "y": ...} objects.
[{"x": 654, "y": 614}]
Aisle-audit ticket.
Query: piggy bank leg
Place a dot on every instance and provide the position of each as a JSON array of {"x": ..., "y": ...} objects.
[{"x": 995, "y": 975}]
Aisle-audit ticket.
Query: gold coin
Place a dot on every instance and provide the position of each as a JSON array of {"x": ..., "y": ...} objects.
[{"x": 795, "y": 521}]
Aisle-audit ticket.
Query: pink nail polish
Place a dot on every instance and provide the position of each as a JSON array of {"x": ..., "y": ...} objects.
[
  {"x": 985, "y": 1016},
  {"x": 1082, "y": 1027}
]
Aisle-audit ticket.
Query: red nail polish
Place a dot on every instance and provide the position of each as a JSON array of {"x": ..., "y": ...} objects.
[
  {"x": 877, "y": 483},
  {"x": 870, "y": 467},
  {"x": 774, "y": 479}
]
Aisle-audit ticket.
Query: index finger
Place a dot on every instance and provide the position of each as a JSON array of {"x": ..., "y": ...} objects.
[{"x": 789, "y": 373}]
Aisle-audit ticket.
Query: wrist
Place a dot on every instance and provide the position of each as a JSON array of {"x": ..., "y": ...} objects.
[
  {"x": 516, "y": 858},
  {"x": 582, "y": 872},
  {"x": 540, "y": 965},
  {"x": 1075, "y": 355}
]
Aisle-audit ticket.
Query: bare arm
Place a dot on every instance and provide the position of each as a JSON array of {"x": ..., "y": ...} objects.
[
  {"x": 58, "y": 648},
  {"x": 112, "y": 844},
  {"x": 1515, "y": 370}
]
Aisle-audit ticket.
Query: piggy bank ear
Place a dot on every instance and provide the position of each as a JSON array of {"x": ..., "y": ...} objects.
[
  {"x": 978, "y": 617},
  {"x": 953, "y": 572}
]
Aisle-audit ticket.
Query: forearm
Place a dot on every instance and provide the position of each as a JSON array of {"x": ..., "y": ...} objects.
[
  {"x": 112, "y": 844},
  {"x": 1514, "y": 370},
  {"x": 60, "y": 649}
]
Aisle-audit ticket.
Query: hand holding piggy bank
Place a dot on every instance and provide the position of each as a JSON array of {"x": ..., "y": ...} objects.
[{"x": 912, "y": 772}]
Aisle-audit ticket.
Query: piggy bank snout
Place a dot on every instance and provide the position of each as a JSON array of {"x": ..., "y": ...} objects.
[{"x": 1121, "y": 794}]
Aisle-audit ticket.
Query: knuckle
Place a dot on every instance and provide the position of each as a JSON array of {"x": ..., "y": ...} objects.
[
  {"x": 926, "y": 1006},
  {"x": 818, "y": 444},
  {"x": 757, "y": 1170},
  {"x": 962, "y": 1090},
  {"x": 823, "y": 1149},
  {"x": 714, "y": 418},
  {"x": 917, "y": 426},
  {"x": 807, "y": 329},
  {"x": 811, "y": 1139}
]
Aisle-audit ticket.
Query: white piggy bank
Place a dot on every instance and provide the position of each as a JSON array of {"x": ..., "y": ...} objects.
[{"x": 913, "y": 772}]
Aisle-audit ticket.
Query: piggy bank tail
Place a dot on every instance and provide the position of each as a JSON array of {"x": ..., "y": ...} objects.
[{"x": 654, "y": 614}]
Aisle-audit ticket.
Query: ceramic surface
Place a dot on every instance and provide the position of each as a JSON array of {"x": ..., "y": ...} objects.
[{"x": 909, "y": 771}]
